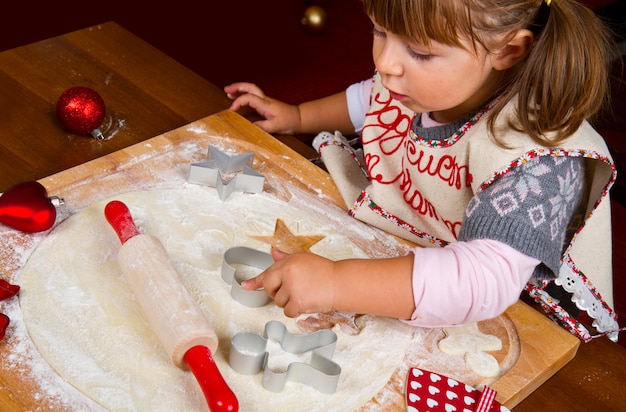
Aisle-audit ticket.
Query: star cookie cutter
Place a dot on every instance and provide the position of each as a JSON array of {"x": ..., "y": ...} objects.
[
  {"x": 250, "y": 257},
  {"x": 248, "y": 355},
  {"x": 209, "y": 173}
]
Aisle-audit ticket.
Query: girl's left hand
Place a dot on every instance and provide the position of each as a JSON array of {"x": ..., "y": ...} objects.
[
  {"x": 299, "y": 283},
  {"x": 279, "y": 117}
]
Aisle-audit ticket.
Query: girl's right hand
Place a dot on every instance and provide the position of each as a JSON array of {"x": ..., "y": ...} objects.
[
  {"x": 299, "y": 283},
  {"x": 279, "y": 117}
]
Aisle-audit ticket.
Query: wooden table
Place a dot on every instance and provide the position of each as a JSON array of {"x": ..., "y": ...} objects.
[{"x": 147, "y": 94}]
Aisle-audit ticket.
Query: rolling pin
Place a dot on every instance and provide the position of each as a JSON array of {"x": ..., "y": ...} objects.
[{"x": 172, "y": 312}]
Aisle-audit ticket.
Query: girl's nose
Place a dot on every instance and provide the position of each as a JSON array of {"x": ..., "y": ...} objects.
[{"x": 387, "y": 59}]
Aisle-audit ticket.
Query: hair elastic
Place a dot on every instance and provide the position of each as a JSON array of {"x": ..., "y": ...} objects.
[{"x": 541, "y": 17}]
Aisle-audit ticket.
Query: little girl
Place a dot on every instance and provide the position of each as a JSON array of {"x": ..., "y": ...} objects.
[{"x": 476, "y": 145}]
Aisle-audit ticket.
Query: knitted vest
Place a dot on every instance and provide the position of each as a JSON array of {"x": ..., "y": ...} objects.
[{"x": 418, "y": 190}]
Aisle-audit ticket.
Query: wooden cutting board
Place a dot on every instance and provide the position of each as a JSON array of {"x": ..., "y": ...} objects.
[{"x": 163, "y": 162}]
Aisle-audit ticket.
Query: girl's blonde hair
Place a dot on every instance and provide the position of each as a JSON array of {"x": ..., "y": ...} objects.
[{"x": 563, "y": 81}]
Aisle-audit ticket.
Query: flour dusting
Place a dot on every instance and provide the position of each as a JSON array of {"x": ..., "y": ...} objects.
[
  {"x": 86, "y": 323},
  {"x": 78, "y": 341}
]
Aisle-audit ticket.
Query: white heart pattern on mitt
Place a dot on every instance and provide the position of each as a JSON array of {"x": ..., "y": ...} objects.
[{"x": 429, "y": 391}]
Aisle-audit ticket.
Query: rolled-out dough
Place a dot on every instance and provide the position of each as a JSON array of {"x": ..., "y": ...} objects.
[{"x": 84, "y": 319}]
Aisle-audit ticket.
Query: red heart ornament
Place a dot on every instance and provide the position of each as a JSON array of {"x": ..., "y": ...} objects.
[
  {"x": 8, "y": 290},
  {"x": 27, "y": 207},
  {"x": 4, "y": 324}
]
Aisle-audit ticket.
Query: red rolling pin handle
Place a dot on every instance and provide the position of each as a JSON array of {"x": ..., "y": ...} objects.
[
  {"x": 199, "y": 359},
  {"x": 218, "y": 394},
  {"x": 120, "y": 219}
]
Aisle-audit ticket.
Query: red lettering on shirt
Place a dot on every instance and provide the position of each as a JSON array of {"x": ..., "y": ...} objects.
[{"x": 392, "y": 138}]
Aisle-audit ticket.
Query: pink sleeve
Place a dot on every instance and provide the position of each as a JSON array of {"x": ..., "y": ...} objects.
[{"x": 467, "y": 282}]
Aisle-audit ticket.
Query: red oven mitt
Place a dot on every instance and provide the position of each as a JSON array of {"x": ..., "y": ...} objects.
[{"x": 428, "y": 391}]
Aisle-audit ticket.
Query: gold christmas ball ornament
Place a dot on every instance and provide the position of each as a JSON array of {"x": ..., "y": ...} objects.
[{"x": 314, "y": 18}]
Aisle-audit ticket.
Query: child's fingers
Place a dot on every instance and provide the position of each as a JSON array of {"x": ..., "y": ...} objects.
[
  {"x": 238, "y": 89},
  {"x": 253, "y": 283},
  {"x": 267, "y": 280},
  {"x": 255, "y": 102}
]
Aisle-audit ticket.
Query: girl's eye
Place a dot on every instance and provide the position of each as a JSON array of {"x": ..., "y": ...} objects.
[
  {"x": 419, "y": 56},
  {"x": 377, "y": 33}
]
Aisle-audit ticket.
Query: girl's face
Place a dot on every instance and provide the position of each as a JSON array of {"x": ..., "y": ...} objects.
[{"x": 447, "y": 81}]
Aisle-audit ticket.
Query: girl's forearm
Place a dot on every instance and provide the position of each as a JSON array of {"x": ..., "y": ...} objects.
[
  {"x": 375, "y": 286},
  {"x": 326, "y": 114}
]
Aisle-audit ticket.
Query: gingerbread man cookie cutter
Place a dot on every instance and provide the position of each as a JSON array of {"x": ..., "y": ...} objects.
[
  {"x": 248, "y": 355},
  {"x": 249, "y": 257}
]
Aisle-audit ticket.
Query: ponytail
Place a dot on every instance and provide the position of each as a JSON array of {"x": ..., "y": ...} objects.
[{"x": 565, "y": 79}]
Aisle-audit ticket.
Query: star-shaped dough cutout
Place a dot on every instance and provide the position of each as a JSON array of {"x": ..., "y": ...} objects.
[{"x": 284, "y": 240}]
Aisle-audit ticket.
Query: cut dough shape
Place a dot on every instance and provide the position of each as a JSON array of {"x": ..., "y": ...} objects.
[
  {"x": 469, "y": 340},
  {"x": 288, "y": 242}
]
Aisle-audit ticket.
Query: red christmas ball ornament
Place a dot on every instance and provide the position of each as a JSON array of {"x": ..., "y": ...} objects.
[{"x": 81, "y": 110}]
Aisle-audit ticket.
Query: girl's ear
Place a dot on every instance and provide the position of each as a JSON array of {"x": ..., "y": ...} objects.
[{"x": 516, "y": 49}]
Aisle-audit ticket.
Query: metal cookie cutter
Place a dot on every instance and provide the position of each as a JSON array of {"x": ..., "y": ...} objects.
[
  {"x": 210, "y": 173},
  {"x": 249, "y": 257},
  {"x": 248, "y": 356}
]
